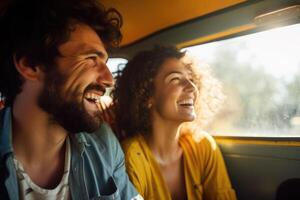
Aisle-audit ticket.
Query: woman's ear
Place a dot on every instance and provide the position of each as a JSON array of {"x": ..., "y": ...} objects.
[
  {"x": 150, "y": 103},
  {"x": 26, "y": 71}
]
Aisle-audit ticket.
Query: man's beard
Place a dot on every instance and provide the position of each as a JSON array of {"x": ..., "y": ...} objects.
[{"x": 70, "y": 113}]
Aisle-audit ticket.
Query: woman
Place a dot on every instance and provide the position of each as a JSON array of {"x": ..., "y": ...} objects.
[{"x": 157, "y": 96}]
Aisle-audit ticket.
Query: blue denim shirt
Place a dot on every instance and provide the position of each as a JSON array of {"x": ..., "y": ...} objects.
[{"x": 97, "y": 165}]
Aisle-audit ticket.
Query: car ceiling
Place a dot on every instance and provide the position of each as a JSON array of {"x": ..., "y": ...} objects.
[{"x": 144, "y": 18}]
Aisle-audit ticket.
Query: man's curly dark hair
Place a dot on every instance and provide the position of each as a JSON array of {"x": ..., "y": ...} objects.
[
  {"x": 135, "y": 86},
  {"x": 35, "y": 28}
]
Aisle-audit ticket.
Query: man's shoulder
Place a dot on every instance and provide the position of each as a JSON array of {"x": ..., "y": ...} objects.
[
  {"x": 105, "y": 134},
  {"x": 1, "y": 120},
  {"x": 2, "y": 111},
  {"x": 2, "y": 142},
  {"x": 102, "y": 137},
  {"x": 5, "y": 144}
]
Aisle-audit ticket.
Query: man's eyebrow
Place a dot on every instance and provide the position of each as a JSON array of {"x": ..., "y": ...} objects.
[{"x": 92, "y": 50}]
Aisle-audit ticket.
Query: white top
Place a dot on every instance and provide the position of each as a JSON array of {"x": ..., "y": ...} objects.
[{"x": 30, "y": 191}]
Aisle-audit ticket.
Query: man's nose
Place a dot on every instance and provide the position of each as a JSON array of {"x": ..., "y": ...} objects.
[{"x": 105, "y": 77}]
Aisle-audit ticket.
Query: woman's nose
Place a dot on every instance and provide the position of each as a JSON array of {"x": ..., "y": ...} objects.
[{"x": 190, "y": 86}]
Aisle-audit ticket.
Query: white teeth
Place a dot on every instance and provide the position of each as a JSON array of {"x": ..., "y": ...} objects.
[
  {"x": 186, "y": 102},
  {"x": 98, "y": 100},
  {"x": 91, "y": 96}
]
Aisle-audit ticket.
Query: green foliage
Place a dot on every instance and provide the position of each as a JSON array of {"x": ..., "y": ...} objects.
[{"x": 265, "y": 102}]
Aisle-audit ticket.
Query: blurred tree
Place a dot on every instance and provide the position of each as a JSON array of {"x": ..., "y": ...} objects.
[{"x": 265, "y": 103}]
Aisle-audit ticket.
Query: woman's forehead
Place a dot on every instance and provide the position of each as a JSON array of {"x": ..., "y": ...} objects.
[{"x": 171, "y": 65}]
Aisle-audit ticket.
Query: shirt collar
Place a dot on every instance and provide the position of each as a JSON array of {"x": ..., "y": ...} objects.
[{"x": 5, "y": 132}]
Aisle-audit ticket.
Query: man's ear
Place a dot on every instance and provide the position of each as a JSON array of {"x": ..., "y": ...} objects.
[{"x": 26, "y": 71}]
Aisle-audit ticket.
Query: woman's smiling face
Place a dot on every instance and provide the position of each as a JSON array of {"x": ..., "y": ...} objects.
[{"x": 175, "y": 92}]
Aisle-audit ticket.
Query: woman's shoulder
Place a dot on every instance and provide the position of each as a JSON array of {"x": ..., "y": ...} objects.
[
  {"x": 130, "y": 144},
  {"x": 198, "y": 139},
  {"x": 133, "y": 147},
  {"x": 199, "y": 147},
  {"x": 137, "y": 157}
]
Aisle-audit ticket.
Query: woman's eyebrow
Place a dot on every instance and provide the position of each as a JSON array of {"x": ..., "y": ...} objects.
[{"x": 173, "y": 72}]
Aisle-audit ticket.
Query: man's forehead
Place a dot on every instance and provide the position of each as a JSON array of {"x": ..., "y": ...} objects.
[
  {"x": 82, "y": 39},
  {"x": 81, "y": 31},
  {"x": 76, "y": 49},
  {"x": 79, "y": 48}
]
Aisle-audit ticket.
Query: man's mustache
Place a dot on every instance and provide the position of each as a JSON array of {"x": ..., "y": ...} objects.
[{"x": 96, "y": 87}]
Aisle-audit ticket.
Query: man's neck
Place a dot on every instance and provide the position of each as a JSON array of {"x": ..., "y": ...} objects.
[{"x": 38, "y": 144}]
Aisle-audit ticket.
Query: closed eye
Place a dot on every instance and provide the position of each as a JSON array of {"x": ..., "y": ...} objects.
[
  {"x": 174, "y": 79},
  {"x": 92, "y": 56}
]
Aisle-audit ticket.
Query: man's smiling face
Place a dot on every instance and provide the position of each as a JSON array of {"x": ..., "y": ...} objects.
[{"x": 79, "y": 79}]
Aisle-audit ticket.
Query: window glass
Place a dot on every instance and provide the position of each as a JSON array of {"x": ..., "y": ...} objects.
[
  {"x": 116, "y": 65},
  {"x": 261, "y": 79}
]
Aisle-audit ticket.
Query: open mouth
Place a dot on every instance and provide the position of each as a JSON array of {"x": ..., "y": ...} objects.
[
  {"x": 97, "y": 101},
  {"x": 93, "y": 97},
  {"x": 93, "y": 93},
  {"x": 92, "y": 100},
  {"x": 186, "y": 102}
]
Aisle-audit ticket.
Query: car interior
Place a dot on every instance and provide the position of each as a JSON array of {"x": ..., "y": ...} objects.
[
  {"x": 262, "y": 153},
  {"x": 253, "y": 47}
]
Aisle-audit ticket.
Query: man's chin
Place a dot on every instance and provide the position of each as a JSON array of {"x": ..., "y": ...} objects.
[
  {"x": 74, "y": 116},
  {"x": 89, "y": 127},
  {"x": 93, "y": 121},
  {"x": 79, "y": 120},
  {"x": 90, "y": 107}
]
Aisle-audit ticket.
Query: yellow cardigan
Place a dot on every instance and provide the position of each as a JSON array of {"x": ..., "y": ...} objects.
[{"x": 204, "y": 169}]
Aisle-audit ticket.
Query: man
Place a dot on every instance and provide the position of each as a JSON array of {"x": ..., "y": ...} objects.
[{"x": 53, "y": 144}]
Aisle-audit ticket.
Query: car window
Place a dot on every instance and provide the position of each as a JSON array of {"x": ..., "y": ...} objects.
[
  {"x": 116, "y": 65},
  {"x": 261, "y": 78}
]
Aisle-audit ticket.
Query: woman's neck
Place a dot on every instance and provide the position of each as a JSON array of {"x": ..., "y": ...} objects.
[{"x": 164, "y": 141}]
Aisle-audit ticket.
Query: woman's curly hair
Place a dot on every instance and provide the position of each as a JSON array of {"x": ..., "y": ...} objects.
[
  {"x": 35, "y": 29},
  {"x": 135, "y": 86}
]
